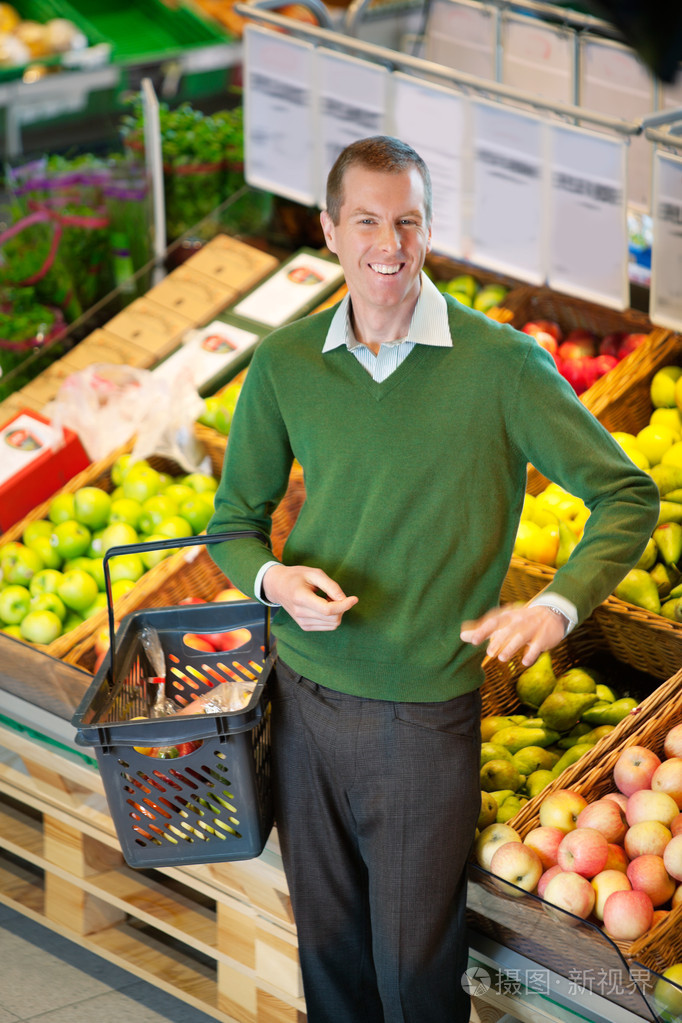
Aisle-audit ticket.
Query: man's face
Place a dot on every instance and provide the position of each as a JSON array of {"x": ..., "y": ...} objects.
[{"x": 381, "y": 239}]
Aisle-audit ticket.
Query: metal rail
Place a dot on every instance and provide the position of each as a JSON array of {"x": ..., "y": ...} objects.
[{"x": 256, "y": 11}]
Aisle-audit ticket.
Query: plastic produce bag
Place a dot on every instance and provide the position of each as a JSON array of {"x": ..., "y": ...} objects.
[{"x": 107, "y": 404}]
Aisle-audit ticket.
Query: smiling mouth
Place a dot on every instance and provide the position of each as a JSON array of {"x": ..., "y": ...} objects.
[{"x": 386, "y": 269}]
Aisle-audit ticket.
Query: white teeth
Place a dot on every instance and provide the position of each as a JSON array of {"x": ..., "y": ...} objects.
[{"x": 384, "y": 268}]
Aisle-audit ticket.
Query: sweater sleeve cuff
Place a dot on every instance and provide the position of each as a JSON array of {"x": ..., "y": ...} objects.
[
  {"x": 555, "y": 600},
  {"x": 258, "y": 584}
]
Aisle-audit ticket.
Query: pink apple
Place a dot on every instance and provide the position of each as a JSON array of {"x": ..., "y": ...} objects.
[
  {"x": 606, "y": 816},
  {"x": 672, "y": 744},
  {"x": 646, "y": 837},
  {"x": 617, "y": 797},
  {"x": 648, "y": 874},
  {"x": 571, "y": 892},
  {"x": 617, "y": 858},
  {"x": 668, "y": 778},
  {"x": 518, "y": 864},
  {"x": 676, "y": 825},
  {"x": 659, "y": 914},
  {"x": 560, "y": 809},
  {"x": 677, "y": 897},
  {"x": 605, "y": 882},
  {"x": 490, "y": 839},
  {"x": 628, "y": 915},
  {"x": 584, "y": 851},
  {"x": 545, "y": 841},
  {"x": 229, "y": 593},
  {"x": 191, "y": 600},
  {"x": 631, "y": 342},
  {"x": 647, "y": 805},
  {"x": 547, "y": 877},
  {"x": 634, "y": 769},
  {"x": 672, "y": 857},
  {"x": 610, "y": 343}
]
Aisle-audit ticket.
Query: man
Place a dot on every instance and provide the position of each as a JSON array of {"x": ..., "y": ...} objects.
[{"x": 414, "y": 419}]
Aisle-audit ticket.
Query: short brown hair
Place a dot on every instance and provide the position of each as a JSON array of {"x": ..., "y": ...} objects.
[{"x": 378, "y": 153}]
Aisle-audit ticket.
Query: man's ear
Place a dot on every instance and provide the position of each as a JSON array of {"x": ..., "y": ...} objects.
[{"x": 328, "y": 229}]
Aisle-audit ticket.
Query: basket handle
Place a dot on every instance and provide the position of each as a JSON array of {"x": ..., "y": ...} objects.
[{"x": 160, "y": 545}]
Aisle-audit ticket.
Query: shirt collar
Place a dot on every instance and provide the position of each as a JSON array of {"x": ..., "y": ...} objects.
[{"x": 429, "y": 324}]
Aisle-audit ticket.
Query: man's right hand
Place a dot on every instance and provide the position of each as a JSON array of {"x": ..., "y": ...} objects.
[{"x": 295, "y": 588}]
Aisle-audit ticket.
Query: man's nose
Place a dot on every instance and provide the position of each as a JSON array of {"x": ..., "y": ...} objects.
[{"x": 389, "y": 239}]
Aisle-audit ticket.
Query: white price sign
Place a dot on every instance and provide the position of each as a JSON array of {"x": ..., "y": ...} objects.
[
  {"x": 462, "y": 34},
  {"x": 508, "y": 190},
  {"x": 431, "y": 119},
  {"x": 353, "y": 99},
  {"x": 537, "y": 57},
  {"x": 279, "y": 119},
  {"x": 588, "y": 247},
  {"x": 665, "y": 297}
]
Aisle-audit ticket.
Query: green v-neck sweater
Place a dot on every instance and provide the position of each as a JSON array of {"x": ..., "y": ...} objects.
[{"x": 414, "y": 489}]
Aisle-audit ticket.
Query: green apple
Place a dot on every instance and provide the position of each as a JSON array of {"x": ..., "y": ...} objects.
[
  {"x": 49, "y": 602},
  {"x": 673, "y": 456},
  {"x": 174, "y": 527},
  {"x": 165, "y": 480},
  {"x": 152, "y": 558},
  {"x": 140, "y": 482},
  {"x": 60, "y": 508},
  {"x": 197, "y": 511},
  {"x": 10, "y": 548},
  {"x": 670, "y": 417},
  {"x": 654, "y": 441},
  {"x": 117, "y": 493},
  {"x": 20, "y": 565},
  {"x": 91, "y": 507},
  {"x": 40, "y": 527},
  {"x": 223, "y": 420},
  {"x": 70, "y": 539},
  {"x": 45, "y": 581},
  {"x": 662, "y": 386},
  {"x": 125, "y": 509},
  {"x": 12, "y": 630},
  {"x": 178, "y": 492},
  {"x": 117, "y": 535},
  {"x": 668, "y": 993},
  {"x": 95, "y": 548},
  {"x": 73, "y": 620},
  {"x": 15, "y": 603},
  {"x": 154, "y": 510},
  {"x": 121, "y": 587},
  {"x": 119, "y": 469},
  {"x": 211, "y": 407},
  {"x": 98, "y": 604},
  {"x": 78, "y": 589},
  {"x": 41, "y": 627},
  {"x": 200, "y": 481},
  {"x": 43, "y": 547},
  {"x": 81, "y": 562},
  {"x": 96, "y": 570},
  {"x": 126, "y": 566}
]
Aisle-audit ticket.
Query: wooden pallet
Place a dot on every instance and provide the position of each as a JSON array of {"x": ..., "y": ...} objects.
[{"x": 221, "y": 937}]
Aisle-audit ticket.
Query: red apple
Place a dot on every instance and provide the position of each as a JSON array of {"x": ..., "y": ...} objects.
[
  {"x": 677, "y": 897},
  {"x": 647, "y": 805},
  {"x": 603, "y": 364},
  {"x": 517, "y": 863},
  {"x": 676, "y": 825},
  {"x": 634, "y": 769},
  {"x": 98, "y": 661},
  {"x": 610, "y": 343},
  {"x": 230, "y": 640},
  {"x": 191, "y": 600},
  {"x": 628, "y": 915},
  {"x": 646, "y": 837},
  {"x": 490, "y": 839},
  {"x": 648, "y": 874},
  {"x": 668, "y": 778},
  {"x": 672, "y": 744},
  {"x": 584, "y": 339},
  {"x": 547, "y": 877},
  {"x": 551, "y": 327},
  {"x": 573, "y": 370},
  {"x": 583, "y": 851},
  {"x": 631, "y": 342},
  {"x": 605, "y": 882},
  {"x": 672, "y": 857},
  {"x": 606, "y": 816},
  {"x": 659, "y": 914},
  {"x": 571, "y": 892},
  {"x": 195, "y": 642},
  {"x": 560, "y": 809},
  {"x": 618, "y": 797},
  {"x": 229, "y": 593},
  {"x": 545, "y": 841}
]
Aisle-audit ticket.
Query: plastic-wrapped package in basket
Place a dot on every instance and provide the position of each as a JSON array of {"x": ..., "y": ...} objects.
[{"x": 191, "y": 786}]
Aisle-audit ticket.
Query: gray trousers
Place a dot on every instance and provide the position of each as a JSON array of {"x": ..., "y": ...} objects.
[{"x": 376, "y": 806}]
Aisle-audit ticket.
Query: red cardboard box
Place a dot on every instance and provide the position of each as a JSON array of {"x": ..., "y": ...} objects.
[{"x": 35, "y": 462}]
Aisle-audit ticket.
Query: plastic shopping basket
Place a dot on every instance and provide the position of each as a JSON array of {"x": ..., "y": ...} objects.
[{"x": 212, "y": 803}]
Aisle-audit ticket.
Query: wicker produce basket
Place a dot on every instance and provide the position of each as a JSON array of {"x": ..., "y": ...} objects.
[
  {"x": 641, "y": 638},
  {"x": 443, "y": 268},
  {"x": 574, "y": 313},
  {"x": 592, "y": 776}
]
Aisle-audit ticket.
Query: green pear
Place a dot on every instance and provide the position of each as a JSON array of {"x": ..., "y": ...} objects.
[
  {"x": 489, "y": 296},
  {"x": 575, "y": 680},
  {"x": 537, "y": 781},
  {"x": 648, "y": 556},
  {"x": 664, "y": 576},
  {"x": 492, "y": 723},
  {"x": 674, "y": 495},
  {"x": 669, "y": 609},
  {"x": 610, "y": 713},
  {"x": 516, "y": 738},
  {"x": 488, "y": 811},
  {"x": 533, "y": 758},
  {"x": 490, "y": 751},
  {"x": 568, "y": 541},
  {"x": 668, "y": 539},
  {"x": 669, "y": 511},
  {"x": 536, "y": 682},
  {"x": 510, "y": 808},
  {"x": 501, "y": 794},
  {"x": 666, "y": 477},
  {"x": 562, "y": 710},
  {"x": 605, "y": 693},
  {"x": 589, "y": 737},
  {"x": 639, "y": 588},
  {"x": 500, "y": 774},
  {"x": 570, "y": 757}
]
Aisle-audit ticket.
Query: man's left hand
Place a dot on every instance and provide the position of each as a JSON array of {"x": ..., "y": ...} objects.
[{"x": 511, "y": 629}]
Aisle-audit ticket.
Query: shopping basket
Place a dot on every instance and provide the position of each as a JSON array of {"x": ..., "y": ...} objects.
[{"x": 211, "y": 801}]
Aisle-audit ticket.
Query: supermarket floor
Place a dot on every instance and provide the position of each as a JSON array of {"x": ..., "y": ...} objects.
[{"x": 48, "y": 979}]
